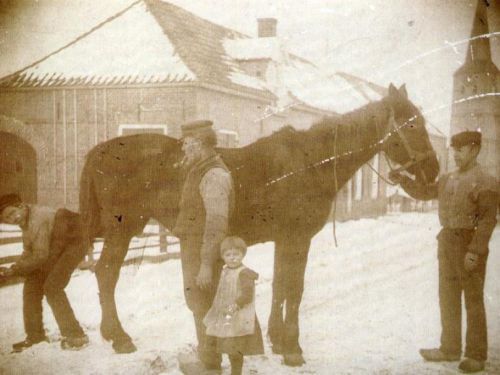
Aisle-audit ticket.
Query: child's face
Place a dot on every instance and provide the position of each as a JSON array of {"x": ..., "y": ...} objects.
[
  {"x": 14, "y": 215},
  {"x": 233, "y": 257}
]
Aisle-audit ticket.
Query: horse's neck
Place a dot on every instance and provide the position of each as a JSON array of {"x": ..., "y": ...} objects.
[{"x": 358, "y": 139}]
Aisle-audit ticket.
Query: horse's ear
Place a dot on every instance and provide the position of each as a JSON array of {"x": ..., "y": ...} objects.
[
  {"x": 403, "y": 92},
  {"x": 393, "y": 91}
]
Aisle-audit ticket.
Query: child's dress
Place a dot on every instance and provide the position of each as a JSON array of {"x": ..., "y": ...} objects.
[{"x": 237, "y": 333}]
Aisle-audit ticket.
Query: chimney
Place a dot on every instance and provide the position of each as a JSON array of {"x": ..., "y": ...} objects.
[{"x": 267, "y": 27}]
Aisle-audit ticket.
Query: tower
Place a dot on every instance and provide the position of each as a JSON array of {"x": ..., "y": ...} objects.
[{"x": 475, "y": 83}]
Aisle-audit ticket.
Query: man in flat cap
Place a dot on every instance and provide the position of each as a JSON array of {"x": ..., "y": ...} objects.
[
  {"x": 205, "y": 207},
  {"x": 52, "y": 248},
  {"x": 468, "y": 199}
]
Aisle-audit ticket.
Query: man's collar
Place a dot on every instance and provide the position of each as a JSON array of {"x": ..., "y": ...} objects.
[{"x": 469, "y": 167}]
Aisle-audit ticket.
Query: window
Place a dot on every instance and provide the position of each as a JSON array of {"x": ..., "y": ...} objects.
[
  {"x": 129, "y": 129},
  {"x": 349, "y": 197},
  {"x": 227, "y": 138},
  {"x": 375, "y": 163},
  {"x": 358, "y": 185}
]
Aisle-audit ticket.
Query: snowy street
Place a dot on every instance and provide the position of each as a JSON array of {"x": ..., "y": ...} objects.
[{"x": 368, "y": 306}]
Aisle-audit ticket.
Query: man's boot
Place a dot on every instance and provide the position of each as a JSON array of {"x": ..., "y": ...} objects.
[
  {"x": 27, "y": 343},
  {"x": 436, "y": 355},
  {"x": 190, "y": 364},
  {"x": 469, "y": 365}
]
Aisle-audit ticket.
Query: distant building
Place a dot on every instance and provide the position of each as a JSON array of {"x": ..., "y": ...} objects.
[{"x": 476, "y": 104}]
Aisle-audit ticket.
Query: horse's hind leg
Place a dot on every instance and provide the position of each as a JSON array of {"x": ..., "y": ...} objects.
[
  {"x": 107, "y": 273},
  {"x": 294, "y": 271}
]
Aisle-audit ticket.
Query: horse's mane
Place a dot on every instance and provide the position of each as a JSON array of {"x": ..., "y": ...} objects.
[{"x": 348, "y": 127}]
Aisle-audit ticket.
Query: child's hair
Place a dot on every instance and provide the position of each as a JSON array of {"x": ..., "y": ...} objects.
[
  {"x": 233, "y": 242},
  {"x": 7, "y": 200}
]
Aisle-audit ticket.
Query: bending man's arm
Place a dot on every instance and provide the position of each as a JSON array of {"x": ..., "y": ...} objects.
[{"x": 36, "y": 253}]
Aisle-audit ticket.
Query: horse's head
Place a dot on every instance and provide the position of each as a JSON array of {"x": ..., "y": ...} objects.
[{"x": 407, "y": 142}]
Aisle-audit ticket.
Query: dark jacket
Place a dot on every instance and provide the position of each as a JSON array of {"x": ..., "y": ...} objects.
[
  {"x": 198, "y": 220},
  {"x": 45, "y": 236},
  {"x": 467, "y": 200}
]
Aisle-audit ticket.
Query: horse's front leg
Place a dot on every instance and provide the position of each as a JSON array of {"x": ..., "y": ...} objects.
[
  {"x": 107, "y": 272},
  {"x": 276, "y": 325},
  {"x": 294, "y": 271}
]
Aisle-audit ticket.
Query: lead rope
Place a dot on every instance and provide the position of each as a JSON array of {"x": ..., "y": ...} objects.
[
  {"x": 336, "y": 188},
  {"x": 381, "y": 177}
]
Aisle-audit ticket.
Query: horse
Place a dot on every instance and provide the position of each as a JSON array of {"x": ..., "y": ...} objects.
[{"x": 284, "y": 184}]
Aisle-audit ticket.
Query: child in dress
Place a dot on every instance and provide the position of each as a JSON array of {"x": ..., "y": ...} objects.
[{"x": 231, "y": 321}]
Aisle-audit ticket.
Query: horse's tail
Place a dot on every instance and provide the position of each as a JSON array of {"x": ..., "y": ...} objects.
[{"x": 89, "y": 205}]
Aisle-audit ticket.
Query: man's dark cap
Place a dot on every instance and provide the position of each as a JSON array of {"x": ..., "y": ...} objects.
[
  {"x": 466, "y": 138},
  {"x": 196, "y": 128},
  {"x": 9, "y": 200}
]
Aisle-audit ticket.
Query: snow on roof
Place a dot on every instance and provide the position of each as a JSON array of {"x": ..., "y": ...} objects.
[
  {"x": 147, "y": 42},
  {"x": 158, "y": 42},
  {"x": 243, "y": 79},
  {"x": 200, "y": 44},
  {"x": 131, "y": 48},
  {"x": 331, "y": 92},
  {"x": 293, "y": 79},
  {"x": 253, "y": 48}
]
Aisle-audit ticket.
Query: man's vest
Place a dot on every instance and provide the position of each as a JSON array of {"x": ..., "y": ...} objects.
[
  {"x": 191, "y": 218},
  {"x": 458, "y": 194},
  {"x": 242, "y": 322}
]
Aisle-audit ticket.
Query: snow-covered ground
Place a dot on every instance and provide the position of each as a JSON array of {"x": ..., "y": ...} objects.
[{"x": 368, "y": 306}]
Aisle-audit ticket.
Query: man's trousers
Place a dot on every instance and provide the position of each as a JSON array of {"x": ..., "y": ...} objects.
[{"x": 453, "y": 279}]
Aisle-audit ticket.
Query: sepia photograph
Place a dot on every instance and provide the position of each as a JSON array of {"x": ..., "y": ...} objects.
[{"x": 216, "y": 187}]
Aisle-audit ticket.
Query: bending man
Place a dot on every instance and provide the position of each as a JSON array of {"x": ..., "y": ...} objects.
[{"x": 52, "y": 248}]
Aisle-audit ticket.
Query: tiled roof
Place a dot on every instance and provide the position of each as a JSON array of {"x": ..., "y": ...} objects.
[
  {"x": 148, "y": 42},
  {"x": 200, "y": 45}
]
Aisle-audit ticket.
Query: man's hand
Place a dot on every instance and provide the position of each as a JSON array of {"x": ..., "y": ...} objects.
[
  {"x": 204, "y": 278},
  {"x": 396, "y": 177},
  {"x": 470, "y": 261},
  {"x": 231, "y": 309},
  {"x": 5, "y": 273}
]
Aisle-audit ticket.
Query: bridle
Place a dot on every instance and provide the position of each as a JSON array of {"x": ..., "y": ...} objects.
[{"x": 415, "y": 157}]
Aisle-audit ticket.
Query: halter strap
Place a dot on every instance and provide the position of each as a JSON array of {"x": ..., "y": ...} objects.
[{"x": 414, "y": 156}]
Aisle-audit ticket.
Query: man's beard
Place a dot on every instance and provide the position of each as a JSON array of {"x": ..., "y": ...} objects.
[{"x": 187, "y": 162}]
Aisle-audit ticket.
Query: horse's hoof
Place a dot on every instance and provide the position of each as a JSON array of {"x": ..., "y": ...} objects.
[
  {"x": 124, "y": 347},
  {"x": 294, "y": 359}
]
